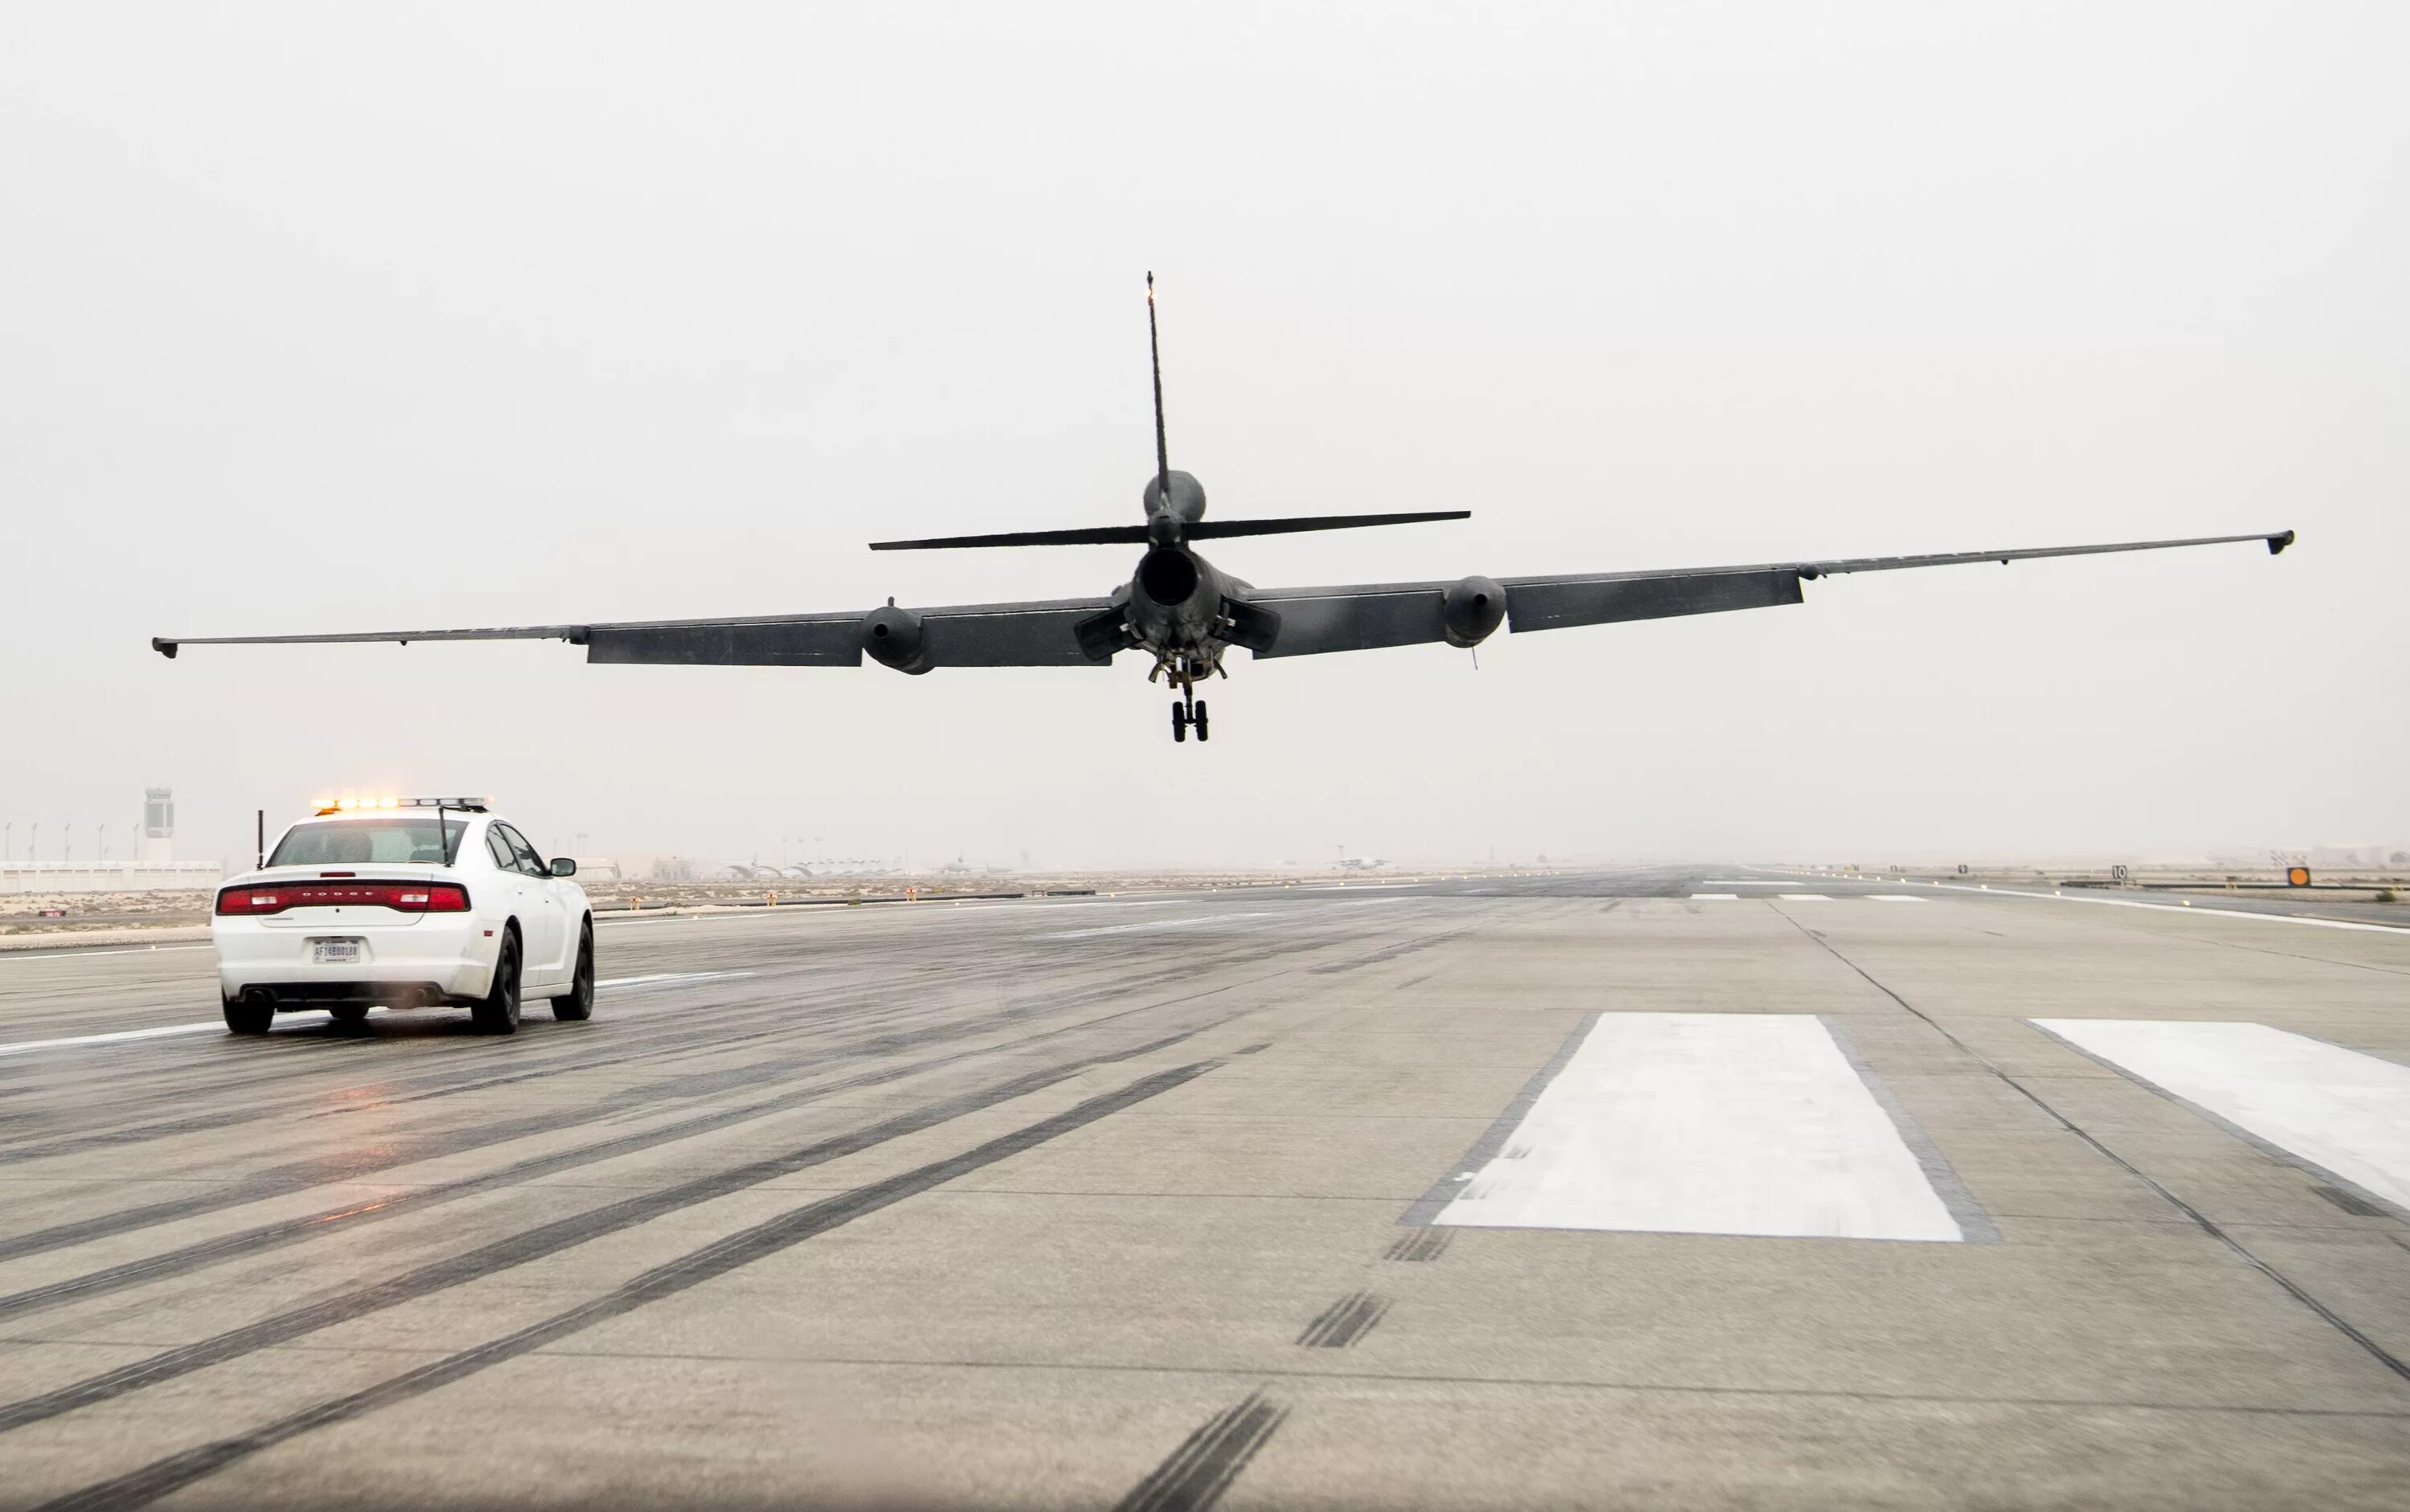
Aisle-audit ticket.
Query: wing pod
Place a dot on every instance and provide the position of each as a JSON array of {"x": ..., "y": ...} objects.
[
  {"x": 894, "y": 637},
  {"x": 1472, "y": 610}
]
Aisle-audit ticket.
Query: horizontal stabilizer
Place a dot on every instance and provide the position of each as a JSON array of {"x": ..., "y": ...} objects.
[
  {"x": 1136, "y": 535},
  {"x": 1102, "y": 535},
  {"x": 1215, "y": 530}
]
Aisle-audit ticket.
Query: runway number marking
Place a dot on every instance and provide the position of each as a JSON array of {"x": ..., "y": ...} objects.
[
  {"x": 2341, "y": 1111},
  {"x": 1708, "y": 1123}
]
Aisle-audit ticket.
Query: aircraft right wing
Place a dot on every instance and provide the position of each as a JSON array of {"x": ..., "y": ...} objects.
[
  {"x": 1316, "y": 620},
  {"x": 1037, "y": 634}
]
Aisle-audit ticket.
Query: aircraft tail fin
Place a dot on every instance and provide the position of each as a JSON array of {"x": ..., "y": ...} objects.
[
  {"x": 1154, "y": 355},
  {"x": 1186, "y": 525}
]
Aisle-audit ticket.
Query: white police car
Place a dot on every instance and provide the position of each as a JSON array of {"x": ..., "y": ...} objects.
[{"x": 406, "y": 903}]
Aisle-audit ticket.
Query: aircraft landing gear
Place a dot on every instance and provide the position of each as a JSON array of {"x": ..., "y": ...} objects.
[
  {"x": 1187, "y": 713},
  {"x": 1187, "y": 710}
]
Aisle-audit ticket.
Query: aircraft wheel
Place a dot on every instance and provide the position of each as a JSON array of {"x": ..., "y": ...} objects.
[
  {"x": 1198, "y": 719},
  {"x": 348, "y": 1013},
  {"x": 1178, "y": 721}
]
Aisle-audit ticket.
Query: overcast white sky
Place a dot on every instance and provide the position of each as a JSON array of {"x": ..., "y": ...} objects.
[{"x": 320, "y": 317}]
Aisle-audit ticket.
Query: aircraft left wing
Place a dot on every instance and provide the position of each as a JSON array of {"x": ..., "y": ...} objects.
[
  {"x": 1037, "y": 634},
  {"x": 1315, "y": 621}
]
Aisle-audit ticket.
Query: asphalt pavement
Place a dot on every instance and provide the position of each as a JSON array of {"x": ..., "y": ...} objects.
[{"x": 1662, "y": 1187}]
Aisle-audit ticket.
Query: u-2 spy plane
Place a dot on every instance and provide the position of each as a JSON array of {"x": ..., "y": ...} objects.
[{"x": 1186, "y": 612}]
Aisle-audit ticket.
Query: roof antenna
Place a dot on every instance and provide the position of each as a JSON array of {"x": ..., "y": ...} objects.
[{"x": 1162, "y": 452}]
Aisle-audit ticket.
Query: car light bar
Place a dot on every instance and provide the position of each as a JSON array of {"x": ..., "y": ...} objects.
[
  {"x": 402, "y": 897},
  {"x": 349, "y": 805}
]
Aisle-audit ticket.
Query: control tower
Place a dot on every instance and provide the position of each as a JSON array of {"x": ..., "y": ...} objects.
[{"x": 158, "y": 826}]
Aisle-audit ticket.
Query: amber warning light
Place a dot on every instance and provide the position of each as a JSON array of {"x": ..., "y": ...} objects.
[{"x": 2297, "y": 877}]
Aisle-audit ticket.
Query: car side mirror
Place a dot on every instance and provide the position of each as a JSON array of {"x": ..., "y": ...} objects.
[{"x": 563, "y": 866}]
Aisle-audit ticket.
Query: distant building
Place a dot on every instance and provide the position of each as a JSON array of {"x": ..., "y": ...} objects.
[
  {"x": 158, "y": 835},
  {"x": 153, "y": 867}
]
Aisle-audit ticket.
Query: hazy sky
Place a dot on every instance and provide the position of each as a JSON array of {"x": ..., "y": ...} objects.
[{"x": 318, "y": 317}]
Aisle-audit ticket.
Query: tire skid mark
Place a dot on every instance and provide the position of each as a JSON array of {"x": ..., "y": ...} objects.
[
  {"x": 646, "y": 1042},
  {"x": 1418, "y": 1247},
  {"x": 283, "y": 1180},
  {"x": 266, "y": 1237},
  {"x": 223, "y": 1248},
  {"x": 1195, "y": 1475},
  {"x": 634, "y": 1102},
  {"x": 292, "y": 1064},
  {"x": 717, "y": 1259},
  {"x": 2201, "y": 1221},
  {"x": 1344, "y": 1321},
  {"x": 535, "y": 1243},
  {"x": 1387, "y": 953}
]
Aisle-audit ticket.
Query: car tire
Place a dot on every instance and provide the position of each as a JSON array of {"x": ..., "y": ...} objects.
[
  {"x": 248, "y": 1018},
  {"x": 498, "y": 1011},
  {"x": 348, "y": 1014},
  {"x": 576, "y": 1005}
]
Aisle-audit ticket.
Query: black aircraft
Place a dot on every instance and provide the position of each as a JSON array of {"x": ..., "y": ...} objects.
[{"x": 1186, "y": 612}]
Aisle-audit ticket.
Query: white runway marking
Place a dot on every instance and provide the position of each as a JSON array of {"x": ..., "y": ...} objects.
[
  {"x": 1893, "y": 897},
  {"x": 1740, "y": 881},
  {"x": 86, "y": 956},
  {"x": 1715, "y": 898},
  {"x": 2182, "y": 908},
  {"x": 309, "y": 1019},
  {"x": 120, "y": 1037},
  {"x": 2337, "y": 1108},
  {"x": 1806, "y": 897},
  {"x": 1708, "y": 1123}
]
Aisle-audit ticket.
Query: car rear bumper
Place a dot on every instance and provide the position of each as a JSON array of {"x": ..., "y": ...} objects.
[{"x": 430, "y": 960}]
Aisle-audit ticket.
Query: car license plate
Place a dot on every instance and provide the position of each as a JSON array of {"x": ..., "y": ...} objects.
[{"x": 334, "y": 952}]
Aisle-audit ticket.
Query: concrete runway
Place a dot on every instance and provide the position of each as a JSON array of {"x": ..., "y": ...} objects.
[{"x": 1543, "y": 1192}]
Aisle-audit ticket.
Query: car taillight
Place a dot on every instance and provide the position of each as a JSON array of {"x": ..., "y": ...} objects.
[{"x": 402, "y": 897}]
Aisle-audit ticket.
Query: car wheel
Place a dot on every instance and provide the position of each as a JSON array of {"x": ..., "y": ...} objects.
[
  {"x": 498, "y": 1011},
  {"x": 576, "y": 1005},
  {"x": 348, "y": 1013},
  {"x": 248, "y": 1018}
]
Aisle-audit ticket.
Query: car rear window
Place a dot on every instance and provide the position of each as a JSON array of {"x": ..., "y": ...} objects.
[{"x": 350, "y": 842}]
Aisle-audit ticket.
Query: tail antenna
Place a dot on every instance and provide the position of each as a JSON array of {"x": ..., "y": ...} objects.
[{"x": 1162, "y": 452}]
